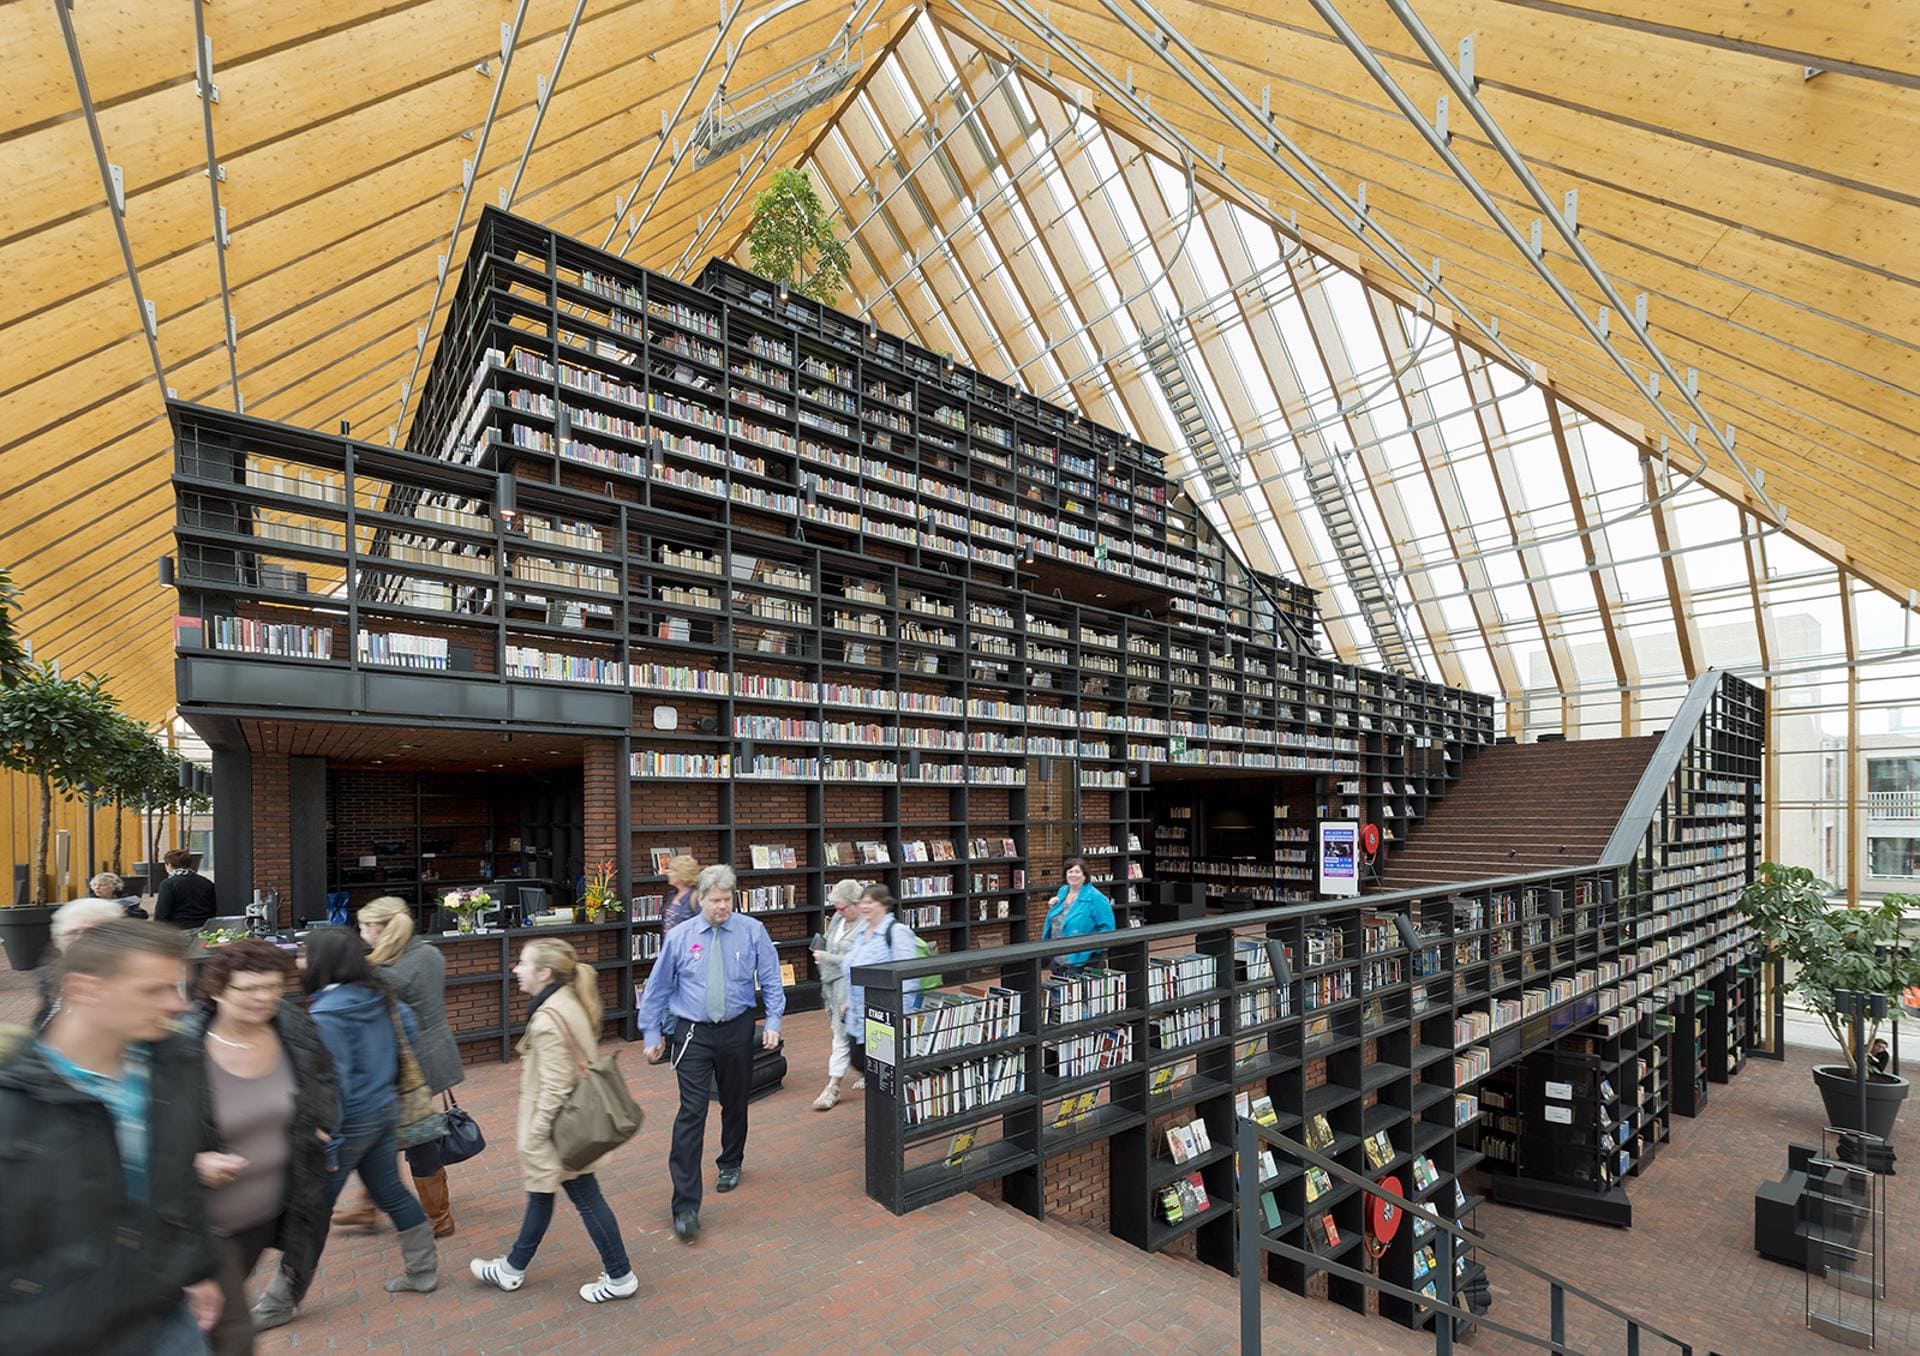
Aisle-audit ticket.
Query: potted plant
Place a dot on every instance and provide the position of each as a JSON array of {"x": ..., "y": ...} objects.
[
  {"x": 60, "y": 732},
  {"x": 598, "y": 898},
  {"x": 466, "y": 906},
  {"x": 790, "y": 223},
  {"x": 1828, "y": 949}
]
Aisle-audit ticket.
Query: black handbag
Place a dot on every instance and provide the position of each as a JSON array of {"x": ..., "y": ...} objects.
[{"x": 463, "y": 1138}]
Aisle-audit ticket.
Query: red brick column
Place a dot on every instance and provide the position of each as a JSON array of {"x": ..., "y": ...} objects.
[
  {"x": 605, "y": 781},
  {"x": 273, "y": 829}
]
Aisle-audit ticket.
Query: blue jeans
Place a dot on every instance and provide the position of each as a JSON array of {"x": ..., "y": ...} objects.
[
  {"x": 595, "y": 1213},
  {"x": 370, "y": 1148},
  {"x": 179, "y": 1336}
]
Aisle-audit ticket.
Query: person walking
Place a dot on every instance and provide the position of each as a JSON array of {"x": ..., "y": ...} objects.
[
  {"x": 1078, "y": 909},
  {"x": 271, "y": 1101},
  {"x": 681, "y": 903},
  {"x": 416, "y": 972},
  {"x": 69, "y": 921},
  {"x": 185, "y": 898},
  {"x": 830, "y": 960},
  {"x": 355, "y": 1012},
  {"x": 106, "y": 1248},
  {"x": 878, "y": 937},
  {"x": 562, "y": 1030},
  {"x": 706, "y": 975}
]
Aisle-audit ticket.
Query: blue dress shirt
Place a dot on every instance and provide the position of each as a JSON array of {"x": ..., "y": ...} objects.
[
  {"x": 678, "y": 983},
  {"x": 890, "y": 941}
]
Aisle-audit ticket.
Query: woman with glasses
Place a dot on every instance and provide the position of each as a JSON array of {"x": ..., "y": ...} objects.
[{"x": 270, "y": 1098}]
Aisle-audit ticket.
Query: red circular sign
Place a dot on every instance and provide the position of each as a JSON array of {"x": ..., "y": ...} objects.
[{"x": 1370, "y": 837}]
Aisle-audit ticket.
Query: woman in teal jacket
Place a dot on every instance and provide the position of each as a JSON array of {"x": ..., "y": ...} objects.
[{"x": 1078, "y": 908}]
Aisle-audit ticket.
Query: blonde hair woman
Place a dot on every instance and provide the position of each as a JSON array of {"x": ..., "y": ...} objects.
[
  {"x": 417, "y": 974},
  {"x": 682, "y": 902},
  {"x": 565, "y": 1019}
]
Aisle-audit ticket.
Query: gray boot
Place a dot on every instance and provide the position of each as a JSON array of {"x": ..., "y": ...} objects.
[
  {"x": 275, "y": 1305},
  {"x": 422, "y": 1258}
]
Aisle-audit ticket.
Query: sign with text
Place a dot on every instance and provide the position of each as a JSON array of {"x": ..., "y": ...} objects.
[
  {"x": 881, "y": 1053},
  {"x": 1339, "y": 856}
]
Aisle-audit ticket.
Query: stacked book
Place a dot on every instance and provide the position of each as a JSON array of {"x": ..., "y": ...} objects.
[
  {"x": 951, "y": 1019},
  {"x": 964, "y": 1087}
]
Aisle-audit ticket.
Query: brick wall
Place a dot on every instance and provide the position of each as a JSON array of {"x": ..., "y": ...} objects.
[
  {"x": 1077, "y": 1186},
  {"x": 273, "y": 828},
  {"x": 604, "y": 781}
]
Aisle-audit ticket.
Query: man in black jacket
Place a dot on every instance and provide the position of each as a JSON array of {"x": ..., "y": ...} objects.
[
  {"x": 185, "y": 898},
  {"x": 106, "y": 1248}
]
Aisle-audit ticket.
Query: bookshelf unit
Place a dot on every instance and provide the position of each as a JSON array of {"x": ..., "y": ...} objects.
[
  {"x": 1422, "y": 1051},
  {"x": 417, "y": 835},
  {"x": 826, "y": 586}
]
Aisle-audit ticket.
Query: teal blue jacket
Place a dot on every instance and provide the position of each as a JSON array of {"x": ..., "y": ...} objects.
[{"x": 1090, "y": 911}]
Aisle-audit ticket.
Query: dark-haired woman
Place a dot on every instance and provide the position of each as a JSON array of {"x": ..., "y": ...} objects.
[
  {"x": 271, "y": 1106},
  {"x": 355, "y": 1014},
  {"x": 1078, "y": 909}
]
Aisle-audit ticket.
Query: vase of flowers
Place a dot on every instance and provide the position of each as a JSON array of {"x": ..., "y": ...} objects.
[
  {"x": 598, "y": 899},
  {"x": 466, "y": 907}
]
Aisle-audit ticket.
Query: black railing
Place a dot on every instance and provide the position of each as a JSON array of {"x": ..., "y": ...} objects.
[{"x": 1451, "y": 1240}]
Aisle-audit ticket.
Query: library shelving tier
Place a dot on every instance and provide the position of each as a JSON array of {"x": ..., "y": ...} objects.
[
  {"x": 846, "y": 607},
  {"x": 1403, "y": 1039}
]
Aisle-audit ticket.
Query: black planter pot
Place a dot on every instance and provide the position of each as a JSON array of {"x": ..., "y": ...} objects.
[
  {"x": 1841, "y": 1094},
  {"x": 26, "y": 932}
]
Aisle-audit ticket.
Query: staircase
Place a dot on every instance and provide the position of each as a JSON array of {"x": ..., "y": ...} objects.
[
  {"x": 1333, "y": 496},
  {"x": 1206, "y": 442},
  {"x": 1523, "y": 807}
]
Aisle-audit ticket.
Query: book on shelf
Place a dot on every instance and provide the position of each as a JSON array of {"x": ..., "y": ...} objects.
[
  {"x": 960, "y": 1144},
  {"x": 1261, "y": 1110},
  {"x": 1270, "y": 1210},
  {"x": 1193, "y": 1195},
  {"x": 660, "y": 856},
  {"x": 1319, "y": 1182},
  {"x": 1172, "y": 1205},
  {"x": 1167, "y": 1075},
  {"x": 1319, "y": 1134},
  {"x": 1180, "y": 1142},
  {"x": 1378, "y": 1149},
  {"x": 1332, "y": 1233}
]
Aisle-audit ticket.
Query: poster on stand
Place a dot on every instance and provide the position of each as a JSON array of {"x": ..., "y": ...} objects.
[{"x": 1339, "y": 856}]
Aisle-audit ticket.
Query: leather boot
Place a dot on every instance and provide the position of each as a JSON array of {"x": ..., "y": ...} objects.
[
  {"x": 358, "y": 1213},
  {"x": 275, "y": 1305},
  {"x": 436, "y": 1202},
  {"x": 422, "y": 1260}
]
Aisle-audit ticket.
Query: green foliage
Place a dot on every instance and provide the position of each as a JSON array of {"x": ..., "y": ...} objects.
[
  {"x": 61, "y": 732},
  {"x": 1826, "y": 948},
  {"x": 13, "y": 650},
  {"x": 791, "y": 223}
]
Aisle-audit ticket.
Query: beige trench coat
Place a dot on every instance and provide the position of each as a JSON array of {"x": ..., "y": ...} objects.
[{"x": 548, "y": 1073}]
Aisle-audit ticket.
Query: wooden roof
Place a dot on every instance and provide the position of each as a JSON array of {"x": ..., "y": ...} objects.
[{"x": 1770, "y": 218}]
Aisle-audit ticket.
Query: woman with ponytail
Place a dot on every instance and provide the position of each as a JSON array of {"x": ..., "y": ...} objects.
[
  {"x": 563, "y": 1029},
  {"x": 416, "y": 973}
]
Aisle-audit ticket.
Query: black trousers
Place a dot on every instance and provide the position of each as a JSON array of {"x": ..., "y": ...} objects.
[{"x": 711, "y": 1055}]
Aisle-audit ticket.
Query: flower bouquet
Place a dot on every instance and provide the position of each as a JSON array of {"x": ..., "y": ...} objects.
[
  {"x": 598, "y": 899},
  {"x": 466, "y": 906}
]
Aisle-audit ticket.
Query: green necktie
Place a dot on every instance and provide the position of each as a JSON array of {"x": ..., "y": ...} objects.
[{"x": 716, "y": 977}]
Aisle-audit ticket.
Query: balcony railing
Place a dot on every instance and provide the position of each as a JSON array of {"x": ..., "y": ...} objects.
[{"x": 1893, "y": 804}]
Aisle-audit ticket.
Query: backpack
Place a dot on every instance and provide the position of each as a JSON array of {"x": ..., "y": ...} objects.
[{"x": 922, "y": 948}]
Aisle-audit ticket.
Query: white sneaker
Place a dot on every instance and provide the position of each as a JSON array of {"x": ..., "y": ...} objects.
[
  {"x": 860, "y": 1084},
  {"x": 601, "y": 1290},
  {"x": 495, "y": 1271}
]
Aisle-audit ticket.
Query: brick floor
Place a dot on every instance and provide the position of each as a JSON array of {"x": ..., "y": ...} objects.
[{"x": 799, "y": 1260}]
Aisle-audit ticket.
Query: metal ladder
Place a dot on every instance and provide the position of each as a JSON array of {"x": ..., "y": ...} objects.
[
  {"x": 1333, "y": 496},
  {"x": 1206, "y": 441}
]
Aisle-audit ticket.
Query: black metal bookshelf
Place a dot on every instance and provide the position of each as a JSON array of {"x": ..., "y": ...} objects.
[
  {"x": 1374, "y": 1044},
  {"x": 803, "y": 555}
]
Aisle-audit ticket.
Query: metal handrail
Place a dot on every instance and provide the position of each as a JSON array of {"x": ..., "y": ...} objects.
[{"x": 1249, "y": 1134}]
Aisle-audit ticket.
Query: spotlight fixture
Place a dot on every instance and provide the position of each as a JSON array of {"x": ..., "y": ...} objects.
[
  {"x": 506, "y": 500},
  {"x": 783, "y": 294},
  {"x": 1277, "y": 960},
  {"x": 166, "y": 572}
]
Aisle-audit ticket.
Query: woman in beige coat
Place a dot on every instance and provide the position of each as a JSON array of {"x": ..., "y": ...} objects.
[{"x": 562, "y": 1030}]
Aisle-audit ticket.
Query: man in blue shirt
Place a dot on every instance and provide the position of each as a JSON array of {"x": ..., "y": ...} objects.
[{"x": 708, "y": 969}]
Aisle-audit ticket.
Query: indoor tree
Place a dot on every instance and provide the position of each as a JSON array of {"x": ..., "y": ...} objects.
[
  {"x": 61, "y": 732},
  {"x": 791, "y": 224},
  {"x": 13, "y": 650},
  {"x": 1830, "y": 948}
]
